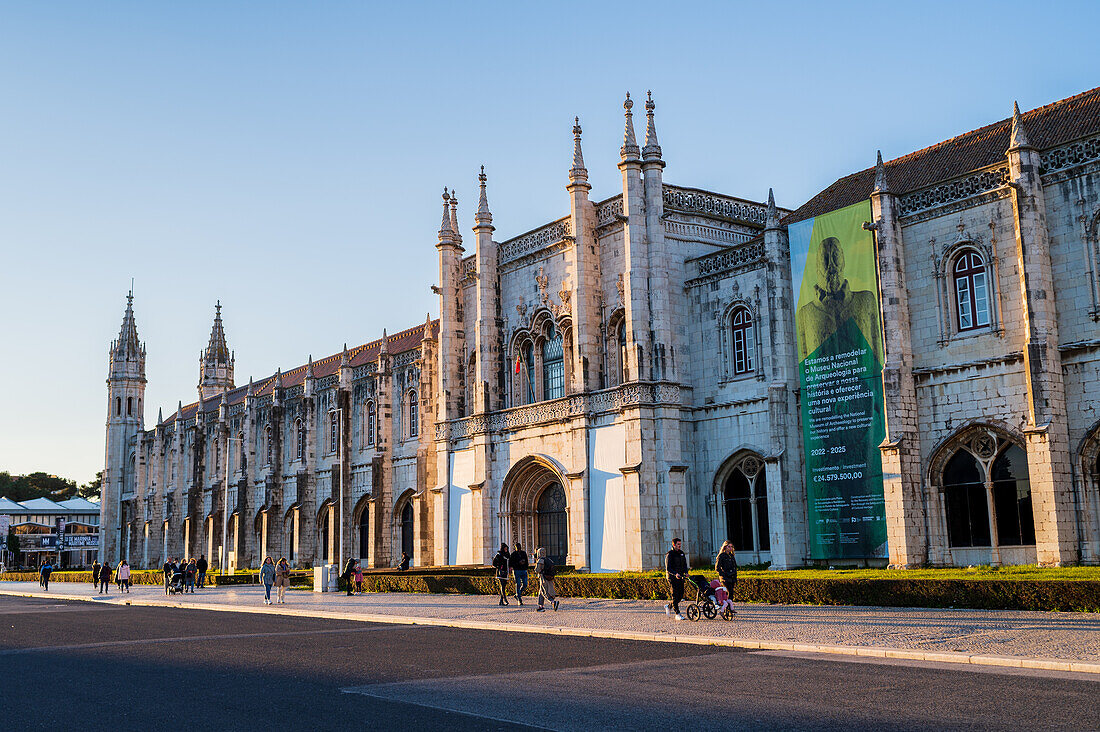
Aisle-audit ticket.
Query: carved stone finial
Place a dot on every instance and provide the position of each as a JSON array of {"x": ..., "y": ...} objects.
[
  {"x": 629, "y": 150},
  {"x": 483, "y": 216},
  {"x": 652, "y": 149},
  {"x": 446, "y": 235},
  {"x": 1019, "y": 134},
  {"x": 455, "y": 231},
  {"x": 881, "y": 186},
  {"x": 578, "y": 173},
  {"x": 771, "y": 219}
]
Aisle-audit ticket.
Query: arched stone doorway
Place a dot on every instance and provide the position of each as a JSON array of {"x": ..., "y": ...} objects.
[
  {"x": 1088, "y": 492},
  {"x": 741, "y": 506},
  {"x": 534, "y": 508}
]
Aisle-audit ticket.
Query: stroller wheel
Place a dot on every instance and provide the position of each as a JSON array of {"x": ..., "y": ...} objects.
[
  {"x": 710, "y": 611},
  {"x": 693, "y": 612},
  {"x": 727, "y": 614}
]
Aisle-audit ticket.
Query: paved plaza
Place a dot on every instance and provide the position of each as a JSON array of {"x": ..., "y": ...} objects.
[{"x": 1061, "y": 641}]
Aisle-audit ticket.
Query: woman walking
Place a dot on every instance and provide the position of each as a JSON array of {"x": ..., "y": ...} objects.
[
  {"x": 544, "y": 568},
  {"x": 267, "y": 577},
  {"x": 105, "y": 579},
  {"x": 282, "y": 579},
  {"x": 500, "y": 561},
  {"x": 122, "y": 576},
  {"x": 519, "y": 564}
]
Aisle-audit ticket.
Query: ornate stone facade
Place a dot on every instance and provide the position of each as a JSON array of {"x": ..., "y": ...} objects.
[{"x": 627, "y": 373}]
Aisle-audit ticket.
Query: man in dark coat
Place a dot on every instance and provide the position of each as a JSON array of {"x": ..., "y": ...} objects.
[
  {"x": 202, "y": 565},
  {"x": 349, "y": 570},
  {"x": 676, "y": 569},
  {"x": 95, "y": 573}
]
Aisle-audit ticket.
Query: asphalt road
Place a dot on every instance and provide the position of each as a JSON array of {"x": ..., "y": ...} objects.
[{"x": 74, "y": 665}]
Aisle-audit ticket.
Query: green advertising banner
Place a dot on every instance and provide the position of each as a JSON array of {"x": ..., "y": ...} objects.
[{"x": 840, "y": 359}]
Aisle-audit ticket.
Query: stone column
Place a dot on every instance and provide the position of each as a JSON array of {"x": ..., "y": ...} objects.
[
  {"x": 1048, "y": 451},
  {"x": 901, "y": 468},
  {"x": 636, "y": 277},
  {"x": 583, "y": 267}
]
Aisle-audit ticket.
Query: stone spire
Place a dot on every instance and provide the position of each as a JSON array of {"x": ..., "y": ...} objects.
[
  {"x": 384, "y": 348},
  {"x": 881, "y": 186},
  {"x": 1019, "y": 134},
  {"x": 345, "y": 357},
  {"x": 446, "y": 234},
  {"x": 578, "y": 173},
  {"x": 629, "y": 150},
  {"x": 128, "y": 347},
  {"x": 278, "y": 379},
  {"x": 771, "y": 220},
  {"x": 483, "y": 216},
  {"x": 652, "y": 149},
  {"x": 179, "y": 411},
  {"x": 251, "y": 391},
  {"x": 160, "y": 415},
  {"x": 455, "y": 231},
  {"x": 216, "y": 364}
]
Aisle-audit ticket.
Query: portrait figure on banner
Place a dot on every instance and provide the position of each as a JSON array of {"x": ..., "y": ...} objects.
[{"x": 836, "y": 304}]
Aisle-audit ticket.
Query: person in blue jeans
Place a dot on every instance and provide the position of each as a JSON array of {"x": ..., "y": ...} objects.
[
  {"x": 519, "y": 564},
  {"x": 267, "y": 577}
]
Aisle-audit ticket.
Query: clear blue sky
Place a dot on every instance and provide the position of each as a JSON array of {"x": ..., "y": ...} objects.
[{"x": 288, "y": 157}]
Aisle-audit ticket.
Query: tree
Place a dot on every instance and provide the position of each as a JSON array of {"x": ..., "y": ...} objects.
[
  {"x": 92, "y": 489},
  {"x": 36, "y": 485}
]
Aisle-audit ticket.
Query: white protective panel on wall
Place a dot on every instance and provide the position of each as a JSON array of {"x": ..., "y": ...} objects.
[
  {"x": 460, "y": 532},
  {"x": 606, "y": 490}
]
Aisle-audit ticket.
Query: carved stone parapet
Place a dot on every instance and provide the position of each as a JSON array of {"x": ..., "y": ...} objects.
[
  {"x": 532, "y": 241},
  {"x": 958, "y": 189},
  {"x": 556, "y": 410},
  {"x": 1071, "y": 155},
  {"x": 747, "y": 256},
  {"x": 713, "y": 204}
]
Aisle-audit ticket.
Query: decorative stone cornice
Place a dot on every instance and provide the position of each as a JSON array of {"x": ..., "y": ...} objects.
[
  {"x": 713, "y": 204},
  {"x": 968, "y": 186},
  {"x": 539, "y": 238},
  {"x": 557, "y": 410}
]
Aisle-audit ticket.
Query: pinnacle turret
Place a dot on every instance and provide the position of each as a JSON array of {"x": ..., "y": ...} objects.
[
  {"x": 216, "y": 363},
  {"x": 345, "y": 357},
  {"x": 881, "y": 186},
  {"x": 652, "y": 149},
  {"x": 1019, "y": 134},
  {"x": 455, "y": 231},
  {"x": 446, "y": 234},
  {"x": 578, "y": 173},
  {"x": 771, "y": 220},
  {"x": 483, "y": 216},
  {"x": 160, "y": 415},
  {"x": 629, "y": 150},
  {"x": 384, "y": 348},
  {"x": 128, "y": 347}
]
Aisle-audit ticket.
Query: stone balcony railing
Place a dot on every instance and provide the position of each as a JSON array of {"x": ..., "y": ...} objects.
[{"x": 574, "y": 405}]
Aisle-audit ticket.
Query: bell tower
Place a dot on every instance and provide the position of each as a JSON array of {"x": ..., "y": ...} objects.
[
  {"x": 125, "y": 409},
  {"x": 216, "y": 362}
]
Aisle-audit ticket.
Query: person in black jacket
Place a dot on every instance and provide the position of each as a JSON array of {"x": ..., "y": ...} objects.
[
  {"x": 105, "y": 579},
  {"x": 676, "y": 569},
  {"x": 95, "y": 574},
  {"x": 725, "y": 564},
  {"x": 201, "y": 566},
  {"x": 500, "y": 561},
  {"x": 519, "y": 563},
  {"x": 349, "y": 570}
]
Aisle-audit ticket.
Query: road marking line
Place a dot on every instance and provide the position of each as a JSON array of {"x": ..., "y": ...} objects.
[{"x": 361, "y": 691}]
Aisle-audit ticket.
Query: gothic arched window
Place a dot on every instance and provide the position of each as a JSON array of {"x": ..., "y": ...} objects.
[
  {"x": 553, "y": 365},
  {"x": 118, "y": 406},
  {"x": 369, "y": 431},
  {"x": 242, "y": 452},
  {"x": 971, "y": 485},
  {"x": 971, "y": 291},
  {"x": 300, "y": 441},
  {"x": 268, "y": 447},
  {"x": 333, "y": 431},
  {"x": 129, "y": 406},
  {"x": 414, "y": 413},
  {"x": 743, "y": 341}
]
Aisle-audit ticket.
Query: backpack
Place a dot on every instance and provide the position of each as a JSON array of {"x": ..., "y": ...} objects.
[{"x": 548, "y": 568}]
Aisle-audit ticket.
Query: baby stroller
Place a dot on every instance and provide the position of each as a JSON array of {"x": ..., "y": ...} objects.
[
  {"x": 175, "y": 586},
  {"x": 706, "y": 601}
]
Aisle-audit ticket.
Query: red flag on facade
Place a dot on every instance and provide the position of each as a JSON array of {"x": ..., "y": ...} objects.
[{"x": 517, "y": 362}]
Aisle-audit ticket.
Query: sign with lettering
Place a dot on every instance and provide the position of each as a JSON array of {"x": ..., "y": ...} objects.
[{"x": 840, "y": 357}]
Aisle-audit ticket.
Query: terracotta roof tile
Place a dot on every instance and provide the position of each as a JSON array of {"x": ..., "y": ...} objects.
[
  {"x": 405, "y": 340},
  {"x": 1048, "y": 126}
]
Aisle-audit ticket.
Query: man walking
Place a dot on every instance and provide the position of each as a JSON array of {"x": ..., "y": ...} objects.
[
  {"x": 202, "y": 565},
  {"x": 676, "y": 569},
  {"x": 44, "y": 575},
  {"x": 520, "y": 564}
]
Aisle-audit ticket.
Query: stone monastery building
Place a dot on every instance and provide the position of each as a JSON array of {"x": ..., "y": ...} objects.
[{"x": 627, "y": 373}]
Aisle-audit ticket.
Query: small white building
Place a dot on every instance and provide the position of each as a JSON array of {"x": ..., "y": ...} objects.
[{"x": 40, "y": 522}]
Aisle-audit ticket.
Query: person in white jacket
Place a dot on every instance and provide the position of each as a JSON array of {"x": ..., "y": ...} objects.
[{"x": 122, "y": 576}]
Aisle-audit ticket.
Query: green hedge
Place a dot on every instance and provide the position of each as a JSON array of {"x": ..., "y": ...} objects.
[
  {"x": 1075, "y": 596},
  {"x": 298, "y": 577}
]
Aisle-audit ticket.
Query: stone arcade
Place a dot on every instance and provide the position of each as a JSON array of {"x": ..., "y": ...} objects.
[{"x": 627, "y": 373}]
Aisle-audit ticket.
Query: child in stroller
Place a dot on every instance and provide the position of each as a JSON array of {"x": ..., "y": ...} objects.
[
  {"x": 707, "y": 602},
  {"x": 175, "y": 586},
  {"x": 722, "y": 598}
]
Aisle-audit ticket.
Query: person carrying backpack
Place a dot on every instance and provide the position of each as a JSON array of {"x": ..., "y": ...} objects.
[
  {"x": 544, "y": 568},
  {"x": 44, "y": 575},
  {"x": 519, "y": 563},
  {"x": 500, "y": 561}
]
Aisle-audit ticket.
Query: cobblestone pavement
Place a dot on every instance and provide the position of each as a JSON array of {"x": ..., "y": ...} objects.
[{"x": 1035, "y": 635}]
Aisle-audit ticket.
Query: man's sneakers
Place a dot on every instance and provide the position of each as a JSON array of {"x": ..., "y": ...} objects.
[
  {"x": 555, "y": 605},
  {"x": 679, "y": 616}
]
